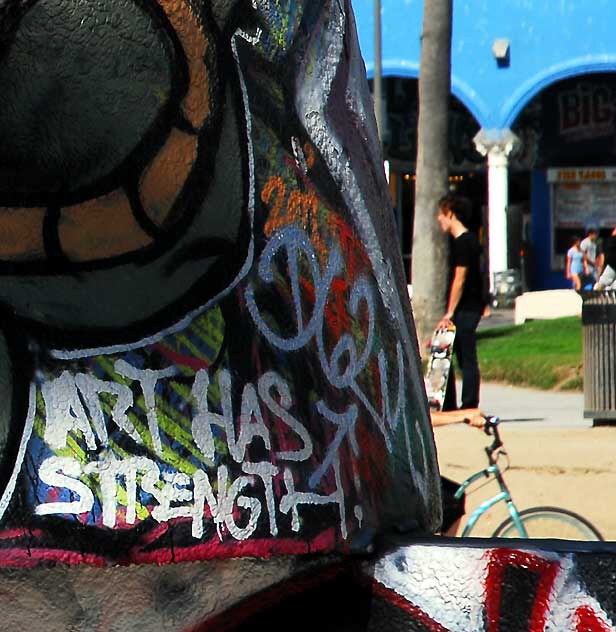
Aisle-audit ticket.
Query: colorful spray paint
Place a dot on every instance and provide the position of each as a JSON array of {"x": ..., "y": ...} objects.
[{"x": 205, "y": 349}]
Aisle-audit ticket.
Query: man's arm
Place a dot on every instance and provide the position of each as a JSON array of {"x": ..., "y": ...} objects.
[
  {"x": 472, "y": 416},
  {"x": 455, "y": 293}
]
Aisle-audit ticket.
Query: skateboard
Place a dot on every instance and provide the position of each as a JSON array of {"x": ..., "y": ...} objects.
[{"x": 437, "y": 373}]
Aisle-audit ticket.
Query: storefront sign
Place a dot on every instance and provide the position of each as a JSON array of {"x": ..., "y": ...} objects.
[
  {"x": 582, "y": 174},
  {"x": 586, "y": 111}
]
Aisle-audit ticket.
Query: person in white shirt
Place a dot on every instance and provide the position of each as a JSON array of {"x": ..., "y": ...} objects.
[{"x": 588, "y": 246}]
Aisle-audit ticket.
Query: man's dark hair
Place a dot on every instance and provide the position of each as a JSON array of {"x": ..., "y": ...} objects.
[{"x": 459, "y": 206}]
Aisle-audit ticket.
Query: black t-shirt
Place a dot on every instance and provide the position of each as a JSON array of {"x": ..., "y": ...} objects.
[
  {"x": 610, "y": 252},
  {"x": 466, "y": 253}
]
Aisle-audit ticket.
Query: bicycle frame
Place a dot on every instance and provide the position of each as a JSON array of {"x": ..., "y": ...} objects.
[{"x": 504, "y": 496}]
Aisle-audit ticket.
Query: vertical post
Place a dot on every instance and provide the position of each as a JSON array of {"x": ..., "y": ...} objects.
[
  {"x": 497, "y": 145},
  {"x": 428, "y": 269},
  {"x": 498, "y": 201},
  {"x": 377, "y": 87}
]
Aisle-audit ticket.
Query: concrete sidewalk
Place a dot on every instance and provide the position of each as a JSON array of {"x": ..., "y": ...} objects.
[
  {"x": 497, "y": 318},
  {"x": 517, "y": 405},
  {"x": 527, "y": 406}
]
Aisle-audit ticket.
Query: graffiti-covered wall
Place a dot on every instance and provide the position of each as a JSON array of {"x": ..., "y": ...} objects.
[
  {"x": 411, "y": 588},
  {"x": 210, "y": 386},
  {"x": 206, "y": 348},
  {"x": 431, "y": 588}
]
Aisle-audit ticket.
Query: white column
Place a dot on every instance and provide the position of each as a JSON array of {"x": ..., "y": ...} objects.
[{"x": 497, "y": 145}]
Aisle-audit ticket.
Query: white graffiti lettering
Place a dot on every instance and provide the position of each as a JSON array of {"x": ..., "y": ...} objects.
[
  {"x": 176, "y": 494},
  {"x": 91, "y": 388},
  {"x": 204, "y": 419},
  {"x": 58, "y": 471},
  {"x": 179, "y": 495},
  {"x": 271, "y": 380},
  {"x": 65, "y": 413},
  {"x": 75, "y": 407},
  {"x": 147, "y": 378}
]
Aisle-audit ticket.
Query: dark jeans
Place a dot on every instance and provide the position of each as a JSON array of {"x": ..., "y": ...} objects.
[{"x": 465, "y": 348}]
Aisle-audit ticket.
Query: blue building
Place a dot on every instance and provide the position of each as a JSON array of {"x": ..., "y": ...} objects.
[{"x": 533, "y": 120}]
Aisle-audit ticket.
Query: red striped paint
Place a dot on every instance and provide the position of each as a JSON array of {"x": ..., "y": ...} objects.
[
  {"x": 498, "y": 561},
  {"x": 587, "y": 620}
]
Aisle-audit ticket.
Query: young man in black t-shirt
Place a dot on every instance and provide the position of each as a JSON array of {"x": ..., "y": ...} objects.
[{"x": 466, "y": 296}]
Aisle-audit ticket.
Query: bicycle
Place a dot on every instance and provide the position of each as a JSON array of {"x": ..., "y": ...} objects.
[{"x": 535, "y": 522}]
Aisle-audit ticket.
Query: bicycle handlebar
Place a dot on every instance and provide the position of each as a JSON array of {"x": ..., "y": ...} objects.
[
  {"x": 490, "y": 425},
  {"x": 491, "y": 429}
]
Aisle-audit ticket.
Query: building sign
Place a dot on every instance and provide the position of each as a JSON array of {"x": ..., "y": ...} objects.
[
  {"x": 570, "y": 122},
  {"x": 582, "y": 174},
  {"x": 586, "y": 111},
  {"x": 582, "y": 196}
]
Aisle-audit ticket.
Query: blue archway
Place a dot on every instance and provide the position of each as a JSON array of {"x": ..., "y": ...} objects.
[
  {"x": 459, "y": 88},
  {"x": 537, "y": 83}
]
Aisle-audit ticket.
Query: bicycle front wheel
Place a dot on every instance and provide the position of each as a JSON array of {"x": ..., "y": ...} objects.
[{"x": 549, "y": 522}]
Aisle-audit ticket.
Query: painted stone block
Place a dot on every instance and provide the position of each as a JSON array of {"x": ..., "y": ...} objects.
[{"x": 207, "y": 350}]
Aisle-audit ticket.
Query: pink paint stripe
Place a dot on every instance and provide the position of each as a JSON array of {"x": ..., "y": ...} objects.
[
  {"x": 22, "y": 557},
  {"x": 182, "y": 360},
  {"x": 20, "y": 533},
  {"x": 214, "y": 549},
  {"x": 155, "y": 533}
]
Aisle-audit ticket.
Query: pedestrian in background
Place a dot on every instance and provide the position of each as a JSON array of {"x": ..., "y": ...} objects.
[
  {"x": 589, "y": 249},
  {"x": 575, "y": 266},
  {"x": 466, "y": 301}
]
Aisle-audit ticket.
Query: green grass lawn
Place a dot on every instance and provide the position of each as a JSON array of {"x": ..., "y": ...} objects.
[{"x": 545, "y": 354}]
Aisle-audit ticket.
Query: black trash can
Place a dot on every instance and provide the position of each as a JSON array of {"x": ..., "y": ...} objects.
[{"x": 599, "y": 333}]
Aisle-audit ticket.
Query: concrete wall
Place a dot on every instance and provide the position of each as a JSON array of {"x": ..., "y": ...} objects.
[
  {"x": 207, "y": 350},
  {"x": 451, "y": 587},
  {"x": 209, "y": 373}
]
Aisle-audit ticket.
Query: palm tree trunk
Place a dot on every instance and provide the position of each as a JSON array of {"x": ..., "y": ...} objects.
[{"x": 430, "y": 247}]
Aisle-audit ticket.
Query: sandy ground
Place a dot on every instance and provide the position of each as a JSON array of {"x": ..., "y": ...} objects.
[{"x": 573, "y": 468}]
